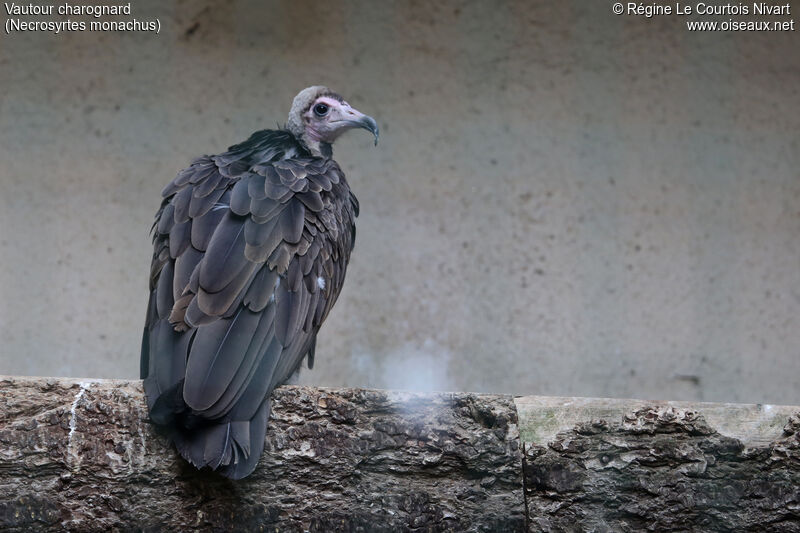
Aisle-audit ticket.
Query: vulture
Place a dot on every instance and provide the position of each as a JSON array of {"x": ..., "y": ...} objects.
[{"x": 250, "y": 252}]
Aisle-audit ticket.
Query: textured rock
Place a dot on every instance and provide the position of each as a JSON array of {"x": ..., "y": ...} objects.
[
  {"x": 83, "y": 456},
  {"x": 662, "y": 469}
]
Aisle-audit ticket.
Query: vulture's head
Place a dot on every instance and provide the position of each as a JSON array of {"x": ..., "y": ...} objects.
[{"x": 319, "y": 115}]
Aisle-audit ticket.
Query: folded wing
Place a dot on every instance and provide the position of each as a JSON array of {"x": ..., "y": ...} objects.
[{"x": 250, "y": 253}]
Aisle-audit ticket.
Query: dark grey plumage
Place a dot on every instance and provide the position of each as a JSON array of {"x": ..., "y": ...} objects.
[{"x": 250, "y": 252}]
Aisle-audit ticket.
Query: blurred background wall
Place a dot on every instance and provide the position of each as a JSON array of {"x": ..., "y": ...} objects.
[{"x": 563, "y": 202}]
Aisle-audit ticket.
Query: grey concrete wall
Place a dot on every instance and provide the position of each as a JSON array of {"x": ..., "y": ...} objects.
[{"x": 564, "y": 202}]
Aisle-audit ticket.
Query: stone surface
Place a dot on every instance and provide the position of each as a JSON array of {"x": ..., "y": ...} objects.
[
  {"x": 608, "y": 205},
  {"x": 83, "y": 457},
  {"x": 542, "y": 418},
  {"x": 662, "y": 469}
]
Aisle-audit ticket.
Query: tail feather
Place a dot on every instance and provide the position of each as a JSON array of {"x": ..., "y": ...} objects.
[
  {"x": 231, "y": 448},
  {"x": 240, "y": 431},
  {"x": 228, "y": 436},
  {"x": 218, "y": 446},
  {"x": 253, "y": 434}
]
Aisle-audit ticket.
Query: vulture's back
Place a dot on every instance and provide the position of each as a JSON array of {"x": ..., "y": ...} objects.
[{"x": 250, "y": 252}]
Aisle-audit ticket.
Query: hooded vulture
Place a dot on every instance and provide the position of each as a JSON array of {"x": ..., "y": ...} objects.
[{"x": 250, "y": 252}]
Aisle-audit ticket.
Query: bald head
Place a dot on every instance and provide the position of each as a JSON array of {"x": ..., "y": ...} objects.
[{"x": 319, "y": 115}]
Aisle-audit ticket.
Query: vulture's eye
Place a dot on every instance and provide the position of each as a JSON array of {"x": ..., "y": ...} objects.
[{"x": 320, "y": 110}]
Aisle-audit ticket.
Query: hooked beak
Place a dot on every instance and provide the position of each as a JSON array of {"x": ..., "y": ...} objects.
[
  {"x": 366, "y": 122},
  {"x": 350, "y": 117}
]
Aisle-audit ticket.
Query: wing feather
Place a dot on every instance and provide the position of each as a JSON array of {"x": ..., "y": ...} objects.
[
  {"x": 207, "y": 185},
  {"x": 216, "y": 354},
  {"x": 255, "y": 187},
  {"x": 240, "y": 198},
  {"x": 252, "y": 358},
  {"x": 179, "y": 238},
  {"x": 181, "y": 203},
  {"x": 261, "y": 289},
  {"x": 194, "y": 317},
  {"x": 266, "y": 209},
  {"x": 164, "y": 297},
  {"x": 312, "y": 200},
  {"x": 219, "y": 303},
  {"x": 261, "y": 239},
  {"x": 224, "y": 258},
  {"x": 200, "y": 205},
  {"x": 203, "y": 227},
  {"x": 166, "y": 220},
  {"x": 292, "y": 221}
]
